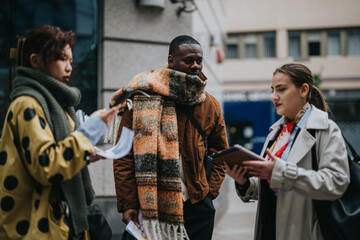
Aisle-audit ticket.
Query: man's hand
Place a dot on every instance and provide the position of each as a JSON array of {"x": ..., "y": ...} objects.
[
  {"x": 237, "y": 173},
  {"x": 94, "y": 157},
  {"x": 131, "y": 214},
  {"x": 261, "y": 169}
]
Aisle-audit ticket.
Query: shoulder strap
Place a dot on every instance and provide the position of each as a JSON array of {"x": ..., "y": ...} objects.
[
  {"x": 207, "y": 159},
  {"x": 313, "y": 152},
  {"x": 196, "y": 124},
  {"x": 354, "y": 154},
  {"x": 356, "y": 157}
]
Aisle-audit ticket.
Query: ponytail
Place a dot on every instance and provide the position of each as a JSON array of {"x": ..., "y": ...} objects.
[{"x": 316, "y": 98}]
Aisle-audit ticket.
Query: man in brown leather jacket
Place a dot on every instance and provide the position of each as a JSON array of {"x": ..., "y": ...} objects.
[{"x": 185, "y": 55}]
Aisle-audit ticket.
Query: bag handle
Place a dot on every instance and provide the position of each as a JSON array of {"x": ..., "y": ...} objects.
[
  {"x": 348, "y": 144},
  {"x": 207, "y": 159},
  {"x": 313, "y": 151},
  {"x": 197, "y": 126},
  {"x": 352, "y": 150}
]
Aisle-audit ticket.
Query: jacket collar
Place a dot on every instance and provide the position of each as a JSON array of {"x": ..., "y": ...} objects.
[{"x": 317, "y": 120}]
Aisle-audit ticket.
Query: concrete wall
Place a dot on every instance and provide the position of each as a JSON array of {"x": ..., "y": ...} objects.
[
  {"x": 134, "y": 39},
  {"x": 253, "y": 75},
  {"x": 260, "y": 15},
  {"x": 281, "y": 16},
  {"x": 208, "y": 27}
]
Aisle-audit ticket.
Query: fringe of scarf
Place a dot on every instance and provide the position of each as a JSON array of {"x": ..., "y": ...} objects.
[
  {"x": 163, "y": 231},
  {"x": 156, "y": 147},
  {"x": 111, "y": 133}
]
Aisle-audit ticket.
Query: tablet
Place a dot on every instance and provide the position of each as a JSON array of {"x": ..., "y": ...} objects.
[{"x": 236, "y": 155}]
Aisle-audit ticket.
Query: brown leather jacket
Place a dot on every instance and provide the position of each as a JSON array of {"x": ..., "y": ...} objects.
[{"x": 208, "y": 115}]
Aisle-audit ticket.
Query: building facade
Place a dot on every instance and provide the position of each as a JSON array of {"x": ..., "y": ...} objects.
[
  {"x": 115, "y": 41},
  {"x": 136, "y": 38},
  {"x": 324, "y": 35}
]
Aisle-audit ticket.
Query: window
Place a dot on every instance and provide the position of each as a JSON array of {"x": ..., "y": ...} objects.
[
  {"x": 77, "y": 15},
  {"x": 353, "y": 42},
  {"x": 250, "y": 46},
  {"x": 314, "y": 45},
  {"x": 232, "y": 51},
  {"x": 294, "y": 44},
  {"x": 329, "y": 42},
  {"x": 333, "y": 43},
  {"x": 269, "y": 45}
]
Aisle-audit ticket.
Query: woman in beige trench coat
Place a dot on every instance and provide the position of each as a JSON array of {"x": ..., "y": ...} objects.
[{"x": 286, "y": 185}]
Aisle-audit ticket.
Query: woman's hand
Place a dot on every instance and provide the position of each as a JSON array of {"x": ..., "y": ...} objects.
[
  {"x": 108, "y": 115},
  {"x": 237, "y": 173},
  {"x": 261, "y": 169}
]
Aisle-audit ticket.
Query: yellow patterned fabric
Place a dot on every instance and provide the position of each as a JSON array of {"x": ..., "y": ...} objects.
[
  {"x": 28, "y": 207},
  {"x": 58, "y": 100}
]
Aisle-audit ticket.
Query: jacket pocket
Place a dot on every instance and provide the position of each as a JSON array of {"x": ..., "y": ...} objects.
[
  {"x": 200, "y": 167},
  {"x": 56, "y": 221}
]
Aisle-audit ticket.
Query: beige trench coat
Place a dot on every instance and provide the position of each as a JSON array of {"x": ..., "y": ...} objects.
[{"x": 298, "y": 184}]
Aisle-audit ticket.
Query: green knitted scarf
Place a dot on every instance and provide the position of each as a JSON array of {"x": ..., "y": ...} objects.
[{"x": 55, "y": 97}]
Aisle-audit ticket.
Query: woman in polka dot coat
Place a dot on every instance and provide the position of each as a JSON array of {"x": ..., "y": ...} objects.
[{"x": 40, "y": 153}]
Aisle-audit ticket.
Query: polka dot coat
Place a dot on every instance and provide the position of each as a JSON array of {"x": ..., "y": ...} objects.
[{"x": 30, "y": 162}]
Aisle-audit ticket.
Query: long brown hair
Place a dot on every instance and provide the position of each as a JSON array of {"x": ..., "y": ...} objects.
[
  {"x": 299, "y": 75},
  {"x": 47, "y": 42}
]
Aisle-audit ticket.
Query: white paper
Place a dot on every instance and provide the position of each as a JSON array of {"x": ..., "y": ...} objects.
[
  {"x": 123, "y": 146},
  {"x": 140, "y": 234},
  {"x": 81, "y": 116},
  {"x": 136, "y": 232}
]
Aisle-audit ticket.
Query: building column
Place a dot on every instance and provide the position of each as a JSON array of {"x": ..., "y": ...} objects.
[
  {"x": 282, "y": 44},
  {"x": 304, "y": 45},
  {"x": 343, "y": 42},
  {"x": 323, "y": 43}
]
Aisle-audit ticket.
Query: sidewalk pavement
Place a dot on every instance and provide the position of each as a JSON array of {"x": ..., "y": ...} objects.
[
  {"x": 238, "y": 221},
  {"x": 234, "y": 220}
]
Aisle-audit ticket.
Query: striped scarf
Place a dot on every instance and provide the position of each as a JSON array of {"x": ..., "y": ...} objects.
[{"x": 156, "y": 147}]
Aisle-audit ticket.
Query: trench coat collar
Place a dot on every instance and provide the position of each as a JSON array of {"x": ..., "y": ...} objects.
[{"x": 317, "y": 120}]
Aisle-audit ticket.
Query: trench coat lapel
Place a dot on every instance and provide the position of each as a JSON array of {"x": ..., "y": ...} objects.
[
  {"x": 302, "y": 145},
  {"x": 274, "y": 129},
  {"x": 317, "y": 120}
]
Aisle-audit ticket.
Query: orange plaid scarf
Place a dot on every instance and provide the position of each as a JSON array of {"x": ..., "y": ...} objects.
[{"x": 156, "y": 147}]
